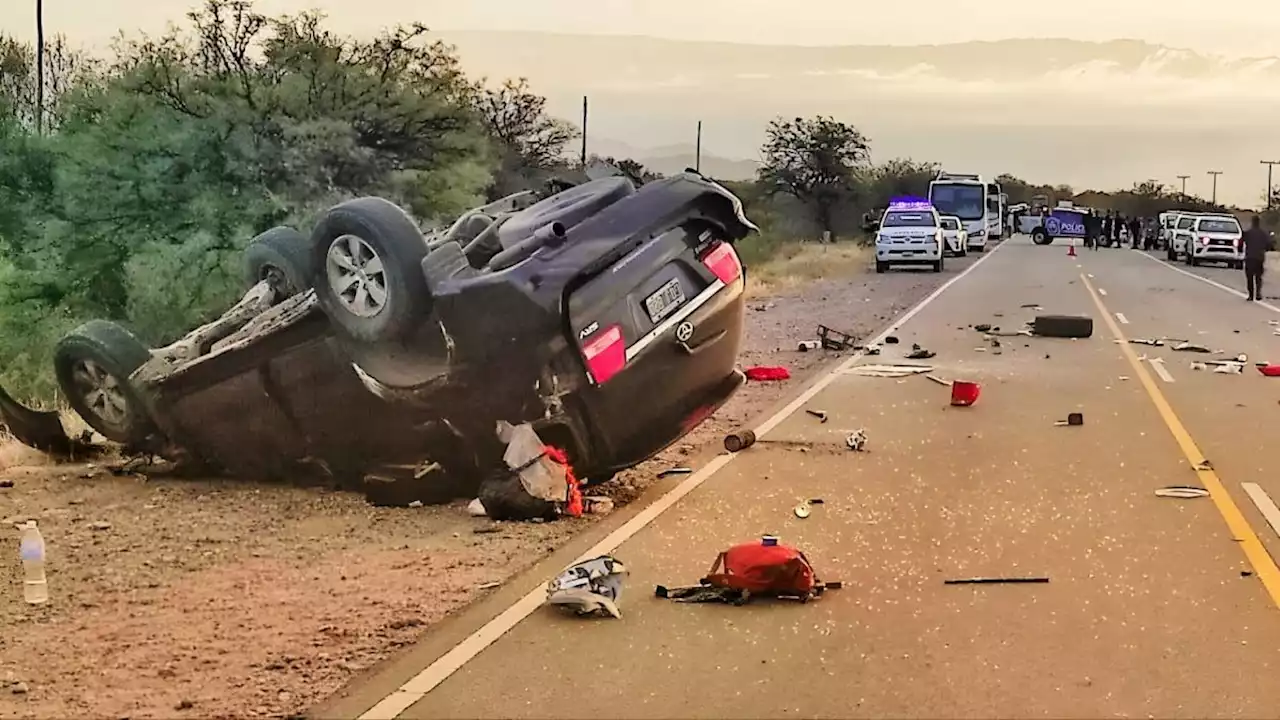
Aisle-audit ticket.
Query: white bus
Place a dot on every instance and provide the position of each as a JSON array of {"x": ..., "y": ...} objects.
[{"x": 978, "y": 203}]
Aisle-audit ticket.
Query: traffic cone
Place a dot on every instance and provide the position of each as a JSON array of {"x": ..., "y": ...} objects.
[{"x": 1071, "y": 250}]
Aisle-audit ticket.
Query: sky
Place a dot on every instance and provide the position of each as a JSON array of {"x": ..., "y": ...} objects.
[{"x": 1234, "y": 27}]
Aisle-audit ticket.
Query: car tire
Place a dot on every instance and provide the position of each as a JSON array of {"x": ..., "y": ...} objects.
[
  {"x": 980, "y": 249},
  {"x": 1062, "y": 326},
  {"x": 92, "y": 364},
  {"x": 282, "y": 257},
  {"x": 1040, "y": 237},
  {"x": 1170, "y": 255},
  {"x": 367, "y": 261},
  {"x": 504, "y": 498},
  {"x": 1193, "y": 261},
  {"x": 881, "y": 266}
]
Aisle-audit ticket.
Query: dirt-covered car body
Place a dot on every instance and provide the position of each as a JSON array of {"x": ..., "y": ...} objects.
[{"x": 608, "y": 317}]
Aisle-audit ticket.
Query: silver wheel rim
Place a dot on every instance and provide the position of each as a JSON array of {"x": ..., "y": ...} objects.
[
  {"x": 101, "y": 392},
  {"x": 356, "y": 276}
]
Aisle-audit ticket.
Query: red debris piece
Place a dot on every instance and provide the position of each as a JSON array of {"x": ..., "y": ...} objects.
[{"x": 766, "y": 374}]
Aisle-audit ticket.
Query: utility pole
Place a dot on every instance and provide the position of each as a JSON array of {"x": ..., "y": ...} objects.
[
  {"x": 1184, "y": 179},
  {"x": 39, "y": 67},
  {"x": 697, "y": 153},
  {"x": 1215, "y": 174},
  {"x": 1270, "y": 164},
  {"x": 584, "y": 131}
]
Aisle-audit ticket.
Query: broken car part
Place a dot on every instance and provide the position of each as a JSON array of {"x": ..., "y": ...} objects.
[
  {"x": 857, "y": 441},
  {"x": 996, "y": 581},
  {"x": 739, "y": 441},
  {"x": 1062, "y": 326},
  {"x": 820, "y": 414},
  {"x": 964, "y": 394},
  {"x": 802, "y": 510},
  {"x": 919, "y": 353},
  {"x": 807, "y": 345},
  {"x": 832, "y": 339},
  {"x": 674, "y": 471},
  {"x": 1184, "y": 492},
  {"x": 591, "y": 587},
  {"x": 890, "y": 371},
  {"x": 1191, "y": 347}
]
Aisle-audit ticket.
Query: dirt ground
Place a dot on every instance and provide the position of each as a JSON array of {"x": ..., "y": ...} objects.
[{"x": 179, "y": 598}]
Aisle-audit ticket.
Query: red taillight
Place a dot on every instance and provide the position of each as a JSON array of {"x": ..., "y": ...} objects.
[
  {"x": 723, "y": 261},
  {"x": 605, "y": 353}
]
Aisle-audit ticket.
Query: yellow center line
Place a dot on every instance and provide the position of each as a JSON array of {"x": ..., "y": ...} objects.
[{"x": 1264, "y": 567}]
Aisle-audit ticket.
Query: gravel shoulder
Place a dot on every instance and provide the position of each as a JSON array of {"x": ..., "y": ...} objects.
[{"x": 218, "y": 598}]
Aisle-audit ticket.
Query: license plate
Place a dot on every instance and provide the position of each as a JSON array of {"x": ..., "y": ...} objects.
[{"x": 665, "y": 301}]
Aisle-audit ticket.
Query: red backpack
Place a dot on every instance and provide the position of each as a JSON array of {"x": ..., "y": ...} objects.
[{"x": 763, "y": 569}]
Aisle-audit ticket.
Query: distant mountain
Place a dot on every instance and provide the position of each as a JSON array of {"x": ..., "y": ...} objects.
[{"x": 1063, "y": 111}]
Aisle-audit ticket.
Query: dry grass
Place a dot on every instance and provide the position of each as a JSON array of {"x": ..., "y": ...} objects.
[{"x": 798, "y": 262}]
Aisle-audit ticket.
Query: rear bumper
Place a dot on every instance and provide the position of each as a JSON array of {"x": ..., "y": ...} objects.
[{"x": 667, "y": 389}]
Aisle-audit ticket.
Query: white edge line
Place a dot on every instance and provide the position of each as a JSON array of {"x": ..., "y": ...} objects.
[
  {"x": 1207, "y": 281},
  {"x": 1157, "y": 364},
  {"x": 1123, "y": 320},
  {"x": 1265, "y": 505},
  {"x": 438, "y": 671}
]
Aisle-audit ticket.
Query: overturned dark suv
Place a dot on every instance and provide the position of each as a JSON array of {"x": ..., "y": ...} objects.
[{"x": 608, "y": 317}]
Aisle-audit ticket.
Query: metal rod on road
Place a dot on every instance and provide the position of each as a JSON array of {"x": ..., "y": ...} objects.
[
  {"x": 584, "y": 131},
  {"x": 697, "y": 153},
  {"x": 1270, "y": 164},
  {"x": 1215, "y": 174}
]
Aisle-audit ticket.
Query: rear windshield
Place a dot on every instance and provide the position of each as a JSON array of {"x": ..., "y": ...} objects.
[
  {"x": 950, "y": 223},
  {"x": 908, "y": 219},
  {"x": 1185, "y": 223},
  {"x": 1219, "y": 225}
]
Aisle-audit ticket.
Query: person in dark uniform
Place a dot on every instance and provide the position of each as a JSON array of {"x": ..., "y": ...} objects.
[
  {"x": 1107, "y": 220},
  {"x": 1256, "y": 244},
  {"x": 1115, "y": 230},
  {"x": 1135, "y": 231},
  {"x": 1090, "y": 221}
]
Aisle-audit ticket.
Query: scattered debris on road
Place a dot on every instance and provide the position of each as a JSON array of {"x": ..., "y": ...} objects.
[
  {"x": 1062, "y": 326},
  {"x": 767, "y": 374},
  {"x": 802, "y": 510},
  {"x": 1269, "y": 370},
  {"x": 1074, "y": 419},
  {"x": 832, "y": 339},
  {"x": 891, "y": 371},
  {"x": 1182, "y": 492},
  {"x": 674, "y": 471},
  {"x": 982, "y": 327},
  {"x": 1191, "y": 347},
  {"x": 919, "y": 353},
  {"x": 857, "y": 441},
  {"x": 592, "y": 587},
  {"x": 764, "y": 568},
  {"x": 739, "y": 441},
  {"x": 891, "y": 340},
  {"x": 820, "y": 414},
  {"x": 1153, "y": 342},
  {"x": 964, "y": 393},
  {"x": 996, "y": 581},
  {"x": 807, "y": 345},
  {"x": 939, "y": 380}
]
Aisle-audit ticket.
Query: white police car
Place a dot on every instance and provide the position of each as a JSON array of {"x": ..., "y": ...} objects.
[{"x": 910, "y": 234}]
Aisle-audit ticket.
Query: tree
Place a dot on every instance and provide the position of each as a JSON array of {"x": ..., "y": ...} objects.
[
  {"x": 897, "y": 178},
  {"x": 531, "y": 141},
  {"x": 814, "y": 160}
]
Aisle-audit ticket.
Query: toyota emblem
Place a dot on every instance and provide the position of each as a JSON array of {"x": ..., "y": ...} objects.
[{"x": 684, "y": 331}]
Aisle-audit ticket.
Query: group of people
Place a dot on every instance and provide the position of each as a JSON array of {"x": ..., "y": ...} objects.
[{"x": 1112, "y": 228}]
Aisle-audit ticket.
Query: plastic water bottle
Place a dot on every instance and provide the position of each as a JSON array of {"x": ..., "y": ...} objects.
[{"x": 35, "y": 589}]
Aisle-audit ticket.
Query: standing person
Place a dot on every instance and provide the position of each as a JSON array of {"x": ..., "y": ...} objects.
[
  {"x": 1091, "y": 225},
  {"x": 1135, "y": 231},
  {"x": 1116, "y": 227},
  {"x": 1256, "y": 244},
  {"x": 1107, "y": 222}
]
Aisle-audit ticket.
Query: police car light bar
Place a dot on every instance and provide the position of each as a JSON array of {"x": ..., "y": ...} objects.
[{"x": 910, "y": 203}]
